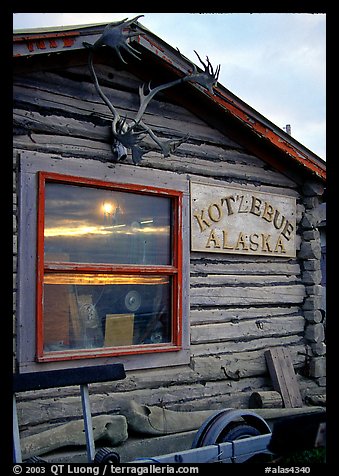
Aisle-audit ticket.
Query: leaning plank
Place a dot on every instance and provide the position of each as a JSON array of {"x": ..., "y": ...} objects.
[{"x": 283, "y": 377}]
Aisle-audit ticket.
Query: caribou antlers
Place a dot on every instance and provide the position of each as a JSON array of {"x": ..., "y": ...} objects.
[
  {"x": 130, "y": 134},
  {"x": 208, "y": 78},
  {"x": 115, "y": 35}
]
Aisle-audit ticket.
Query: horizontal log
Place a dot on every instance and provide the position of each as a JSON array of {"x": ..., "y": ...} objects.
[
  {"x": 67, "y": 408},
  {"x": 111, "y": 81},
  {"x": 119, "y": 172},
  {"x": 229, "y": 331},
  {"x": 240, "y": 364},
  {"x": 66, "y": 145},
  {"x": 202, "y": 368},
  {"x": 52, "y": 145},
  {"x": 126, "y": 104},
  {"x": 220, "y": 348},
  {"x": 234, "y": 280},
  {"x": 210, "y": 316},
  {"x": 217, "y": 169},
  {"x": 258, "y": 268},
  {"x": 49, "y": 83},
  {"x": 199, "y": 162},
  {"x": 207, "y": 151},
  {"x": 59, "y": 125},
  {"x": 249, "y": 296},
  {"x": 228, "y": 394}
]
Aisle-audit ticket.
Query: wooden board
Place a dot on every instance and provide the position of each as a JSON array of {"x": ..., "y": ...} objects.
[
  {"x": 119, "y": 329},
  {"x": 56, "y": 315},
  {"x": 283, "y": 377}
]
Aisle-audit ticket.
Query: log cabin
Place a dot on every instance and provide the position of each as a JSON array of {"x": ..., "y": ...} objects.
[{"x": 159, "y": 222}]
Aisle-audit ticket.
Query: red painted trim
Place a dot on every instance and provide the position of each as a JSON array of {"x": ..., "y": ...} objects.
[
  {"x": 177, "y": 279},
  {"x": 178, "y": 65},
  {"x": 108, "y": 352},
  {"x": 267, "y": 133},
  {"x": 236, "y": 108},
  {"x": 40, "y": 265},
  {"x": 40, "y": 36},
  {"x": 148, "y": 189},
  {"x": 174, "y": 270},
  {"x": 65, "y": 267}
]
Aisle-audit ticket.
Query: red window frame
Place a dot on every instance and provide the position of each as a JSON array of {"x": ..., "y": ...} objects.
[{"x": 174, "y": 270}]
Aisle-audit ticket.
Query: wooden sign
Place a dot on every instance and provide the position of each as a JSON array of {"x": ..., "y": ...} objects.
[{"x": 226, "y": 219}]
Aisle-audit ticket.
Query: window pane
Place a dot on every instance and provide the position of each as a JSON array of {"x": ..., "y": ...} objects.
[
  {"x": 87, "y": 311},
  {"x": 93, "y": 225}
]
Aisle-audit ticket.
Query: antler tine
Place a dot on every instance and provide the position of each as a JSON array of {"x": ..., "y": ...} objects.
[
  {"x": 209, "y": 68},
  {"x": 129, "y": 22},
  {"x": 99, "y": 91},
  {"x": 201, "y": 61},
  {"x": 142, "y": 94},
  {"x": 146, "y": 98},
  {"x": 132, "y": 51},
  {"x": 217, "y": 72}
]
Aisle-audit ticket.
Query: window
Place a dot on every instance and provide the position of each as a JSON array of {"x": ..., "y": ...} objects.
[{"x": 109, "y": 269}]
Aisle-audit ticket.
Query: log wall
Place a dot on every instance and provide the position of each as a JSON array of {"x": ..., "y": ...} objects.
[{"x": 240, "y": 305}]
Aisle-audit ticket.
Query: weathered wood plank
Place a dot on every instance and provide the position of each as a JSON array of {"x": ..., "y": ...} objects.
[
  {"x": 239, "y": 364},
  {"x": 229, "y": 347},
  {"x": 67, "y": 145},
  {"x": 124, "y": 86},
  {"x": 205, "y": 368},
  {"x": 231, "y": 396},
  {"x": 122, "y": 173},
  {"x": 202, "y": 368},
  {"x": 210, "y": 316},
  {"x": 210, "y": 158},
  {"x": 242, "y": 268},
  {"x": 59, "y": 125},
  {"x": 60, "y": 104},
  {"x": 173, "y": 127},
  {"x": 229, "y": 331},
  {"x": 56, "y": 124},
  {"x": 239, "y": 280},
  {"x": 75, "y": 146},
  {"x": 249, "y": 296},
  {"x": 284, "y": 380},
  {"x": 62, "y": 409},
  {"x": 217, "y": 169}
]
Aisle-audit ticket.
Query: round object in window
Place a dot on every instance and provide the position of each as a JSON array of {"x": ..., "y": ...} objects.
[{"x": 132, "y": 301}]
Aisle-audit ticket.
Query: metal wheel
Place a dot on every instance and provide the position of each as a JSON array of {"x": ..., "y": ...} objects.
[
  {"x": 106, "y": 455},
  {"x": 237, "y": 432},
  {"x": 228, "y": 425}
]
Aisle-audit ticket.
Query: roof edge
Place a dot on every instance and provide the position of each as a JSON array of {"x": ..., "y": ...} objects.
[{"x": 32, "y": 41}]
